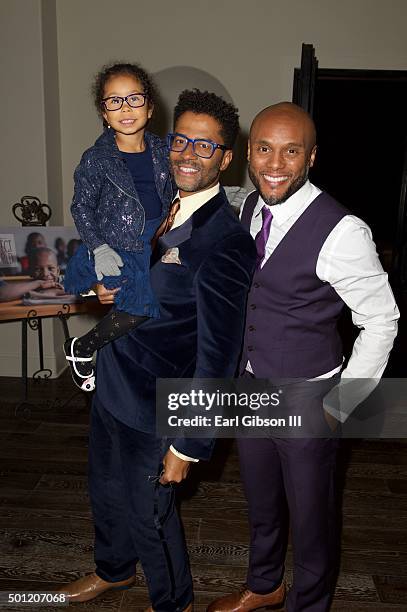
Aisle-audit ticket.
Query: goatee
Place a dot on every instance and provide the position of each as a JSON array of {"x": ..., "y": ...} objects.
[{"x": 292, "y": 188}]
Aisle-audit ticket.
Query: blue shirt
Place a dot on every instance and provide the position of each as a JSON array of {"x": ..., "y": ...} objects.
[{"x": 140, "y": 166}]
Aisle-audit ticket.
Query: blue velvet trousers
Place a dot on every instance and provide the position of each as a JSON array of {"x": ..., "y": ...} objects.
[{"x": 134, "y": 516}]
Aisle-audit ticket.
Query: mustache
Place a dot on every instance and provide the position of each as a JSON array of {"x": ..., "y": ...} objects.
[{"x": 194, "y": 165}]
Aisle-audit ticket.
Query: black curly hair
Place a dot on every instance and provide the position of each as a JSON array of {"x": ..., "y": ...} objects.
[
  {"x": 118, "y": 68},
  {"x": 207, "y": 103}
]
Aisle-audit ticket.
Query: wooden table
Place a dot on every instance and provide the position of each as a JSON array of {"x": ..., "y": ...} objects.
[
  {"x": 32, "y": 316},
  {"x": 15, "y": 310}
]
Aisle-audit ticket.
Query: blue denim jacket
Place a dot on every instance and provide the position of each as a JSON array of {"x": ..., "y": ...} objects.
[{"x": 106, "y": 207}]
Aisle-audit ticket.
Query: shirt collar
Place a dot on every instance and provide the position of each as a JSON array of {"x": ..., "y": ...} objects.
[
  {"x": 190, "y": 204},
  {"x": 282, "y": 212}
]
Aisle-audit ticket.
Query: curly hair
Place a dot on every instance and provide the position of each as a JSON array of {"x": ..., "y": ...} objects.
[
  {"x": 207, "y": 103},
  {"x": 111, "y": 70}
]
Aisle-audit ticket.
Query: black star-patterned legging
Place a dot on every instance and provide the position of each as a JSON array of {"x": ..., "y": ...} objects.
[{"x": 114, "y": 325}]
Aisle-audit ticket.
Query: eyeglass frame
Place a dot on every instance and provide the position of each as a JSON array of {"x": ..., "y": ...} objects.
[
  {"x": 193, "y": 141},
  {"x": 124, "y": 99}
]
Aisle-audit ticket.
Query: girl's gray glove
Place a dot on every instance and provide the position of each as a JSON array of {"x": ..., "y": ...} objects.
[{"x": 107, "y": 262}]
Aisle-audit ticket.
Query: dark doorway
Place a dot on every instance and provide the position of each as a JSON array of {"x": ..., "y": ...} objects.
[
  {"x": 362, "y": 136},
  {"x": 361, "y": 122},
  {"x": 362, "y": 158}
]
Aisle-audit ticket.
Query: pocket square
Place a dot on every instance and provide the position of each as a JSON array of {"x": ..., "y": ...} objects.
[{"x": 171, "y": 256}]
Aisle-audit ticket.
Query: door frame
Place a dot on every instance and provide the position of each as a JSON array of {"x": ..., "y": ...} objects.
[{"x": 304, "y": 88}]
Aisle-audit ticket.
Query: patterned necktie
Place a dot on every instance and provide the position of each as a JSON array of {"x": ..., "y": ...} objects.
[
  {"x": 262, "y": 236},
  {"x": 168, "y": 222}
]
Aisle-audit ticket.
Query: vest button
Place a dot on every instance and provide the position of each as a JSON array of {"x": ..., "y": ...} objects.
[
  {"x": 250, "y": 348},
  {"x": 256, "y": 285},
  {"x": 253, "y": 306},
  {"x": 251, "y": 328}
]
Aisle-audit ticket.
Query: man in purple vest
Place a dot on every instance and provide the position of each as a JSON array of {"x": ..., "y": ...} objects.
[{"x": 313, "y": 257}]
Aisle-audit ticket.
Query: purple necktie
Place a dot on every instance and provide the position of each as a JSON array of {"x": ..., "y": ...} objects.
[{"x": 262, "y": 236}]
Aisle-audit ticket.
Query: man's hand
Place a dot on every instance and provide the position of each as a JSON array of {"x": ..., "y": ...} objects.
[
  {"x": 175, "y": 469},
  {"x": 331, "y": 420},
  {"x": 105, "y": 296}
]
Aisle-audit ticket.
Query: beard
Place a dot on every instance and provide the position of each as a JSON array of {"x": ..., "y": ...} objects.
[
  {"x": 291, "y": 189},
  {"x": 206, "y": 176}
]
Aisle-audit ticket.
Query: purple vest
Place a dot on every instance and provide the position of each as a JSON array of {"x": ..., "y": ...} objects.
[{"x": 291, "y": 327}]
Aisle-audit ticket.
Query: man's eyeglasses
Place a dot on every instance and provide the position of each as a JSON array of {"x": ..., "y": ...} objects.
[
  {"x": 135, "y": 100},
  {"x": 200, "y": 146}
]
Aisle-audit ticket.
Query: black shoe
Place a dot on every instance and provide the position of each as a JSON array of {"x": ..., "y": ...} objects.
[{"x": 81, "y": 369}]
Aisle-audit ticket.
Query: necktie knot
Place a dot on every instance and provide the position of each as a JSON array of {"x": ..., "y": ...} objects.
[{"x": 262, "y": 236}]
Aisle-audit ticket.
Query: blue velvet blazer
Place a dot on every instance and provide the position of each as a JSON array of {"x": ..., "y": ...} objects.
[{"x": 202, "y": 313}]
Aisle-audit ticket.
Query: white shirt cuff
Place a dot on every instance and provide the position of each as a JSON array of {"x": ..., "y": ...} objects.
[{"x": 181, "y": 456}]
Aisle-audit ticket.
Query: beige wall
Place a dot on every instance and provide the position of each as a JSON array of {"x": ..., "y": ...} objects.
[
  {"x": 251, "y": 46},
  {"x": 22, "y": 154},
  {"x": 30, "y": 155},
  {"x": 22, "y": 121},
  {"x": 50, "y": 50}
]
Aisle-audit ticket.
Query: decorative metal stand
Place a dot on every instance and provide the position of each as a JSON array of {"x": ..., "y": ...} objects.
[
  {"x": 34, "y": 322},
  {"x": 30, "y": 211}
]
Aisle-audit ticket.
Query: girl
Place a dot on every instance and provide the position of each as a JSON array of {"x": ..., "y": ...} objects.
[{"x": 122, "y": 193}]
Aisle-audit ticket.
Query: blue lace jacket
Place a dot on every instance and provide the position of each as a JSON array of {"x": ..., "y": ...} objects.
[{"x": 106, "y": 207}]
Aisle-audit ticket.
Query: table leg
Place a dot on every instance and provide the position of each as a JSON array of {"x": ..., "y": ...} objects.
[
  {"x": 64, "y": 322},
  {"x": 23, "y": 408},
  {"x": 35, "y": 324},
  {"x": 24, "y": 349},
  {"x": 40, "y": 344}
]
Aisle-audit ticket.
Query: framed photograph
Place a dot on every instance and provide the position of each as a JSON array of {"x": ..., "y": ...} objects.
[
  {"x": 18, "y": 243},
  {"x": 32, "y": 264}
]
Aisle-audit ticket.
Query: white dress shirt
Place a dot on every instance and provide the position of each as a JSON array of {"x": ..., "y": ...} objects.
[
  {"x": 189, "y": 205},
  {"x": 348, "y": 261}
]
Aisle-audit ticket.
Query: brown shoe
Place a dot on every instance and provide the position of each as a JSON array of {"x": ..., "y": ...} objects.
[
  {"x": 90, "y": 586},
  {"x": 187, "y": 609},
  {"x": 245, "y": 601}
]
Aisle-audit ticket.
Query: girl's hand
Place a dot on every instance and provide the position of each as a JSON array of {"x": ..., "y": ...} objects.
[
  {"x": 105, "y": 296},
  {"x": 107, "y": 262}
]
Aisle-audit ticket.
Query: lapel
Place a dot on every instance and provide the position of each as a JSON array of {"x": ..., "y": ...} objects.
[{"x": 182, "y": 233}]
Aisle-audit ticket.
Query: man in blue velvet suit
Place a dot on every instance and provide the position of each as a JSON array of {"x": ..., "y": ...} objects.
[{"x": 201, "y": 277}]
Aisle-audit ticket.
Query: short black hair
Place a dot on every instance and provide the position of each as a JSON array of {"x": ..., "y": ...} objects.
[
  {"x": 207, "y": 103},
  {"x": 118, "y": 68}
]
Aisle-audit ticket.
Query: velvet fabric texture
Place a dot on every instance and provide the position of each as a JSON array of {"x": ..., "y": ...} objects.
[
  {"x": 202, "y": 312},
  {"x": 135, "y": 518}
]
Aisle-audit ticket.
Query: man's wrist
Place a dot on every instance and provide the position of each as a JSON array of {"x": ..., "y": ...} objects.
[{"x": 182, "y": 456}]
